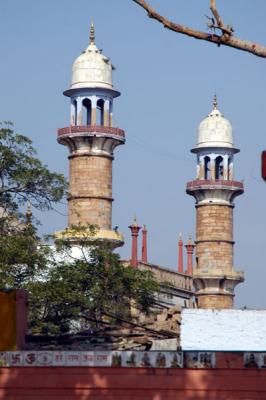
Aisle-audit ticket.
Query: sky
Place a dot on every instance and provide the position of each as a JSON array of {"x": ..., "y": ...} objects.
[{"x": 167, "y": 82}]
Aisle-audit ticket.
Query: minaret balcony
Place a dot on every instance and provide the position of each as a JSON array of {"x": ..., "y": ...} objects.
[
  {"x": 215, "y": 184},
  {"x": 91, "y": 130},
  {"x": 91, "y": 139},
  {"x": 220, "y": 191}
]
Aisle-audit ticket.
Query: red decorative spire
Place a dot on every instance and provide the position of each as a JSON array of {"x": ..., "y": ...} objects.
[
  {"x": 180, "y": 254},
  {"x": 144, "y": 257},
  {"x": 134, "y": 227},
  {"x": 190, "y": 249}
]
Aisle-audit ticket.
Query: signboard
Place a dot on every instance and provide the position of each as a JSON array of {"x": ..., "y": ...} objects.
[
  {"x": 199, "y": 360},
  {"x": 158, "y": 359},
  {"x": 255, "y": 360}
]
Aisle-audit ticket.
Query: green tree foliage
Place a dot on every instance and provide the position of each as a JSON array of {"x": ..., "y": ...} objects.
[
  {"x": 89, "y": 289},
  {"x": 21, "y": 260},
  {"x": 23, "y": 177},
  {"x": 63, "y": 291}
]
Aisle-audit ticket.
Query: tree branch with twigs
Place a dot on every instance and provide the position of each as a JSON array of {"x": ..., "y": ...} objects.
[{"x": 225, "y": 38}]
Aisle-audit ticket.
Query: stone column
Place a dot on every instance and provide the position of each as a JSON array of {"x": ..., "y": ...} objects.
[
  {"x": 212, "y": 167},
  {"x": 106, "y": 117},
  {"x": 214, "y": 233},
  {"x": 73, "y": 112},
  {"x": 180, "y": 255},
  {"x": 134, "y": 233},
  {"x": 93, "y": 110},
  {"x": 90, "y": 191},
  {"x": 190, "y": 249},
  {"x": 144, "y": 257},
  {"x": 79, "y": 111}
]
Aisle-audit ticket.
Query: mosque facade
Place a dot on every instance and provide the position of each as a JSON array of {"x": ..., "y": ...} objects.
[{"x": 91, "y": 139}]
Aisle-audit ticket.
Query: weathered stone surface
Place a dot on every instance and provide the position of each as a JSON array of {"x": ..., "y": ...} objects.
[
  {"x": 165, "y": 344},
  {"x": 90, "y": 191}
]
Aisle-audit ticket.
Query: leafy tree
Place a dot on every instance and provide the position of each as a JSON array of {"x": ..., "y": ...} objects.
[
  {"x": 89, "y": 289},
  {"x": 23, "y": 177},
  {"x": 62, "y": 290},
  {"x": 21, "y": 260}
]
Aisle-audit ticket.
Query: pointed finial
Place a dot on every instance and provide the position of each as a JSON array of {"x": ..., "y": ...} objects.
[
  {"x": 135, "y": 221},
  {"x": 92, "y": 33},
  {"x": 190, "y": 239},
  {"x": 180, "y": 236},
  {"x": 215, "y": 102}
]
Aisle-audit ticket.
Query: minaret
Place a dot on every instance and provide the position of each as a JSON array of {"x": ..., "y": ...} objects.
[
  {"x": 135, "y": 228},
  {"x": 215, "y": 190},
  {"x": 91, "y": 140}
]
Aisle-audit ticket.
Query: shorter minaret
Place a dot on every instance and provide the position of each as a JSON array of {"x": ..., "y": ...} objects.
[
  {"x": 190, "y": 250},
  {"x": 144, "y": 256},
  {"x": 135, "y": 228},
  {"x": 180, "y": 266},
  {"x": 214, "y": 190}
]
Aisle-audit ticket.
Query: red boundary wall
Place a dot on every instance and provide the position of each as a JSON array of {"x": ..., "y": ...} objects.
[{"x": 67, "y": 383}]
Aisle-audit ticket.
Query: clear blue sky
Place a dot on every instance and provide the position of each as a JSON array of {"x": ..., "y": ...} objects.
[{"x": 167, "y": 83}]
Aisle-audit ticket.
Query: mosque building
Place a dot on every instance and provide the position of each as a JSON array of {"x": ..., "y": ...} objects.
[
  {"x": 197, "y": 346},
  {"x": 91, "y": 139}
]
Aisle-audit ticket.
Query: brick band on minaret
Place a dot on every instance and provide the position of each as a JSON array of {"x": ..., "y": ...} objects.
[{"x": 214, "y": 191}]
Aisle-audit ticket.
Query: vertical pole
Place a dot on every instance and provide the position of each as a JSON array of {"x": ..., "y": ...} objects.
[
  {"x": 180, "y": 254},
  {"x": 134, "y": 251},
  {"x": 93, "y": 110},
  {"x": 106, "y": 112},
  {"x": 190, "y": 249},
  {"x": 144, "y": 257},
  {"x": 79, "y": 111}
]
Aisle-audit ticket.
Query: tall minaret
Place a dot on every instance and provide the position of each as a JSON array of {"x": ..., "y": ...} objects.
[
  {"x": 91, "y": 140},
  {"x": 215, "y": 190}
]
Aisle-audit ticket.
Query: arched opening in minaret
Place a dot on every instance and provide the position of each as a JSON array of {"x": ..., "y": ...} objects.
[
  {"x": 100, "y": 112},
  {"x": 207, "y": 169},
  {"x": 219, "y": 167},
  {"x": 86, "y": 112}
]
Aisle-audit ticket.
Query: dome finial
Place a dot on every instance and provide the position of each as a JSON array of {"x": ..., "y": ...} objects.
[
  {"x": 92, "y": 33},
  {"x": 215, "y": 102}
]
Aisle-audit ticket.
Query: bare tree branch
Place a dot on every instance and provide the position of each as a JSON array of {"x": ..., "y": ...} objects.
[
  {"x": 216, "y": 14},
  {"x": 226, "y": 38}
]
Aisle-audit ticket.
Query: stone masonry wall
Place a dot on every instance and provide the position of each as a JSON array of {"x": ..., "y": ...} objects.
[
  {"x": 215, "y": 301},
  {"x": 90, "y": 191},
  {"x": 214, "y": 235}
]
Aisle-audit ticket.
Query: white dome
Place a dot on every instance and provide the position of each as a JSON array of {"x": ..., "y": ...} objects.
[
  {"x": 92, "y": 69},
  {"x": 215, "y": 130}
]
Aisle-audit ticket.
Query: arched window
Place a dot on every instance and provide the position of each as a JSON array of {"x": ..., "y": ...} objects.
[
  {"x": 207, "y": 169},
  {"x": 219, "y": 168},
  {"x": 86, "y": 112},
  {"x": 100, "y": 112}
]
